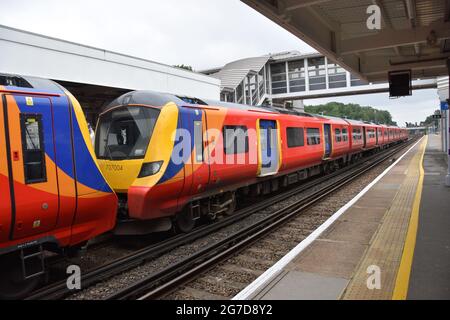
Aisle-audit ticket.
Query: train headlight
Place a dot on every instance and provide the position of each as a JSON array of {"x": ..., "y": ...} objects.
[{"x": 150, "y": 169}]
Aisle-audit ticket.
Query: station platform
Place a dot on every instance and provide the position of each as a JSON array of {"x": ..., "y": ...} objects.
[{"x": 392, "y": 241}]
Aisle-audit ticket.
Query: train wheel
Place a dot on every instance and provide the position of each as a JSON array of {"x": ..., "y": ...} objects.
[
  {"x": 184, "y": 221},
  {"x": 231, "y": 206},
  {"x": 12, "y": 284}
]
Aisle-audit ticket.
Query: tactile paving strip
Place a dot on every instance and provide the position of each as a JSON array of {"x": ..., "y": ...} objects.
[{"x": 386, "y": 248}]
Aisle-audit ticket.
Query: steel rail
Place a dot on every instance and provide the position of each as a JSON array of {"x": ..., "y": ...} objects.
[
  {"x": 59, "y": 290},
  {"x": 164, "y": 281}
]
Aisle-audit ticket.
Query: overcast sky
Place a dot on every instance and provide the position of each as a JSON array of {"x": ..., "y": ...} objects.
[{"x": 200, "y": 33}]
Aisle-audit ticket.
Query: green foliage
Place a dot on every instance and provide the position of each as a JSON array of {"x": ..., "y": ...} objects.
[
  {"x": 182, "y": 66},
  {"x": 430, "y": 121},
  {"x": 352, "y": 111}
]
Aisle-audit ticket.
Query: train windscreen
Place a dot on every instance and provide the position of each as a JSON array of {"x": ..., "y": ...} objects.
[{"x": 124, "y": 133}]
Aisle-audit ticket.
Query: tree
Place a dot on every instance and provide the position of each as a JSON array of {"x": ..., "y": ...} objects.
[
  {"x": 352, "y": 111},
  {"x": 182, "y": 66},
  {"x": 430, "y": 120}
]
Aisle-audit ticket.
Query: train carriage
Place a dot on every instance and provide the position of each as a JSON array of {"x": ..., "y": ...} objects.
[
  {"x": 356, "y": 131},
  {"x": 174, "y": 159},
  {"x": 159, "y": 161},
  {"x": 370, "y": 136},
  {"x": 52, "y": 193}
]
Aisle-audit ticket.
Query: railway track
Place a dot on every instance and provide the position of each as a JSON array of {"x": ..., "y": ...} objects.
[
  {"x": 226, "y": 247},
  {"x": 164, "y": 282}
]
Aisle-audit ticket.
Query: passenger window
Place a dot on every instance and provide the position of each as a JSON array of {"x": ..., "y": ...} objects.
[
  {"x": 33, "y": 148},
  {"x": 235, "y": 139},
  {"x": 313, "y": 136},
  {"x": 337, "y": 133},
  {"x": 198, "y": 140},
  {"x": 295, "y": 137},
  {"x": 357, "y": 134},
  {"x": 344, "y": 135}
]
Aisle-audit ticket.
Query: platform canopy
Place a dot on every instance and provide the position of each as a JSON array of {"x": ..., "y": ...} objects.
[{"x": 414, "y": 34}]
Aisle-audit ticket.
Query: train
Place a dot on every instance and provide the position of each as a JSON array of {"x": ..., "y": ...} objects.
[
  {"x": 53, "y": 196},
  {"x": 159, "y": 162},
  {"x": 173, "y": 160}
]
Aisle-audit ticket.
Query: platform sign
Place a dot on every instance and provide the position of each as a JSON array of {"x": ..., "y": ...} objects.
[{"x": 444, "y": 105}]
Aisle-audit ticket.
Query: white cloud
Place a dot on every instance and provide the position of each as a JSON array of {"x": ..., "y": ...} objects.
[
  {"x": 201, "y": 33},
  {"x": 414, "y": 108}
]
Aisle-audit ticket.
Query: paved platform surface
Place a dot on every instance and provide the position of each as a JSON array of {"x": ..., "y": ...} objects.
[
  {"x": 430, "y": 276},
  {"x": 366, "y": 244}
]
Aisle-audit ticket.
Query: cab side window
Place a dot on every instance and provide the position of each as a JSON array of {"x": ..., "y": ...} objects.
[{"x": 33, "y": 148}]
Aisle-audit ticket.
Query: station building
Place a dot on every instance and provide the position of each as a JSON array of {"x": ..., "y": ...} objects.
[
  {"x": 290, "y": 77},
  {"x": 95, "y": 76}
]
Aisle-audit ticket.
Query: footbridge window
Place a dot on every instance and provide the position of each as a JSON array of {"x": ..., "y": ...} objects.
[
  {"x": 337, "y": 77},
  {"x": 278, "y": 76},
  {"x": 297, "y": 76},
  {"x": 317, "y": 73}
]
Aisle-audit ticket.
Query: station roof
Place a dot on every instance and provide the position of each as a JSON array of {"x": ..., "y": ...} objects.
[
  {"x": 232, "y": 74},
  {"x": 72, "y": 64},
  {"x": 414, "y": 34}
]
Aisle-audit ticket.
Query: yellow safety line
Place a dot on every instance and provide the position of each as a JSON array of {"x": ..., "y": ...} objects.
[{"x": 404, "y": 271}]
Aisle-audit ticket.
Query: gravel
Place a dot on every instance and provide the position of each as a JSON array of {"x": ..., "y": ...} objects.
[
  {"x": 220, "y": 281},
  {"x": 279, "y": 242}
]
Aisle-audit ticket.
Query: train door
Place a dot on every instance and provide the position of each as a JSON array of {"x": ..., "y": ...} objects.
[
  {"x": 364, "y": 137},
  {"x": 5, "y": 165},
  {"x": 200, "y": 161},
  {"x": 268, "y": 144},
  {"x": 327, "y": 136},
  {"x": 30, "y": 140}
]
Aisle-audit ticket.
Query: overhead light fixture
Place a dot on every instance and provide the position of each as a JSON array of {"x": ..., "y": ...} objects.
[{"x": 400, "y": 83}]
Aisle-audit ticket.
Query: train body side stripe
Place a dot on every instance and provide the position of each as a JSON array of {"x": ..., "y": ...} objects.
[{"x": 9, "y": 164}]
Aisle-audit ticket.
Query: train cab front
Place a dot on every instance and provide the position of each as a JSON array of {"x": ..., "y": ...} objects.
[{"x": 134, "y": 142}]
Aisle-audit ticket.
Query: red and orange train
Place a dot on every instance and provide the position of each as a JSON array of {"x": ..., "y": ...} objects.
[
  {"x": 173, "y": 160},
  {"x": 159, "y": 160},
  {"x": 52, "y": 193}
]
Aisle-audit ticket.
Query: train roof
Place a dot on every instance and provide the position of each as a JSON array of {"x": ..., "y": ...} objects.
[
  {"x": 335, "y": 119},
  {"x": 19, "y": 82},
  {"x": 158, "y": 99}
]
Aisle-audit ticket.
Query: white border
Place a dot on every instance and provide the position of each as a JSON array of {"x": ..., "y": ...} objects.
[{"x": 271, "y": 273}]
